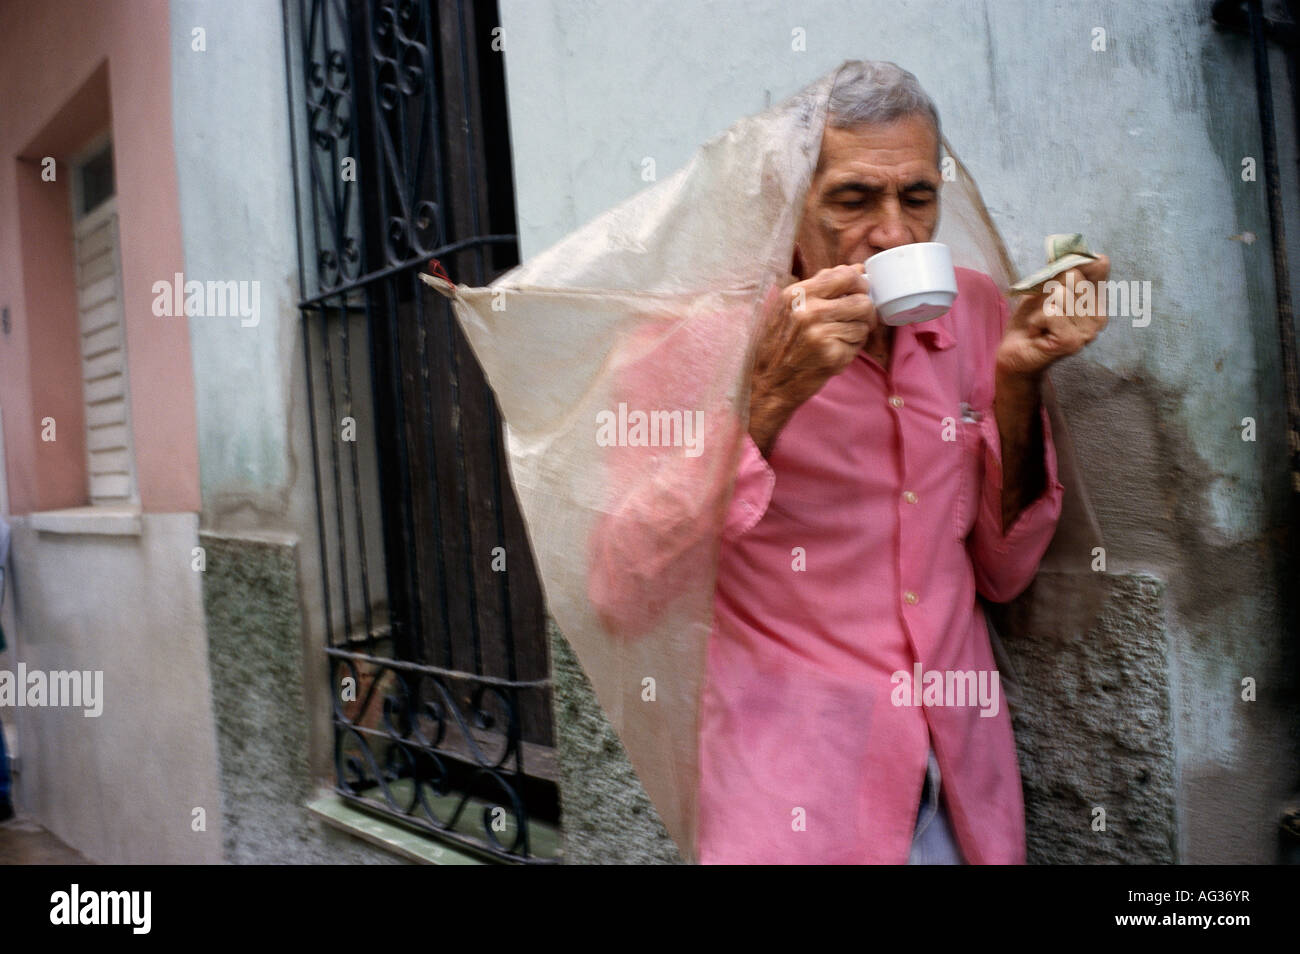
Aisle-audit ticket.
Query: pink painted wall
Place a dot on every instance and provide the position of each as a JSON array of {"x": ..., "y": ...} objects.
[{"x": 69, "y": 69}]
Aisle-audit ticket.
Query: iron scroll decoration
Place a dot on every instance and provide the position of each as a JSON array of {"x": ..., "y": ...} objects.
[
  {"x": 332, "y": 138},
  {"x": 397, "y": 732}
]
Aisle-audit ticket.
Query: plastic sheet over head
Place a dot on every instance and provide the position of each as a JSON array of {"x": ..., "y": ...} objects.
[{"x": 620, "y": 359}]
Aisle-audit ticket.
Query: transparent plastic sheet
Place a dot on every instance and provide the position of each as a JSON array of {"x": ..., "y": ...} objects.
[{"x": 620, "y": 360}]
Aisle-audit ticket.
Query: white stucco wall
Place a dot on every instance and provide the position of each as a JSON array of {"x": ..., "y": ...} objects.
[{"x": 120, "y": 787}]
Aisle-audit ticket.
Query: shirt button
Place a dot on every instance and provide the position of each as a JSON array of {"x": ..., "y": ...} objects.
[
  {"x": 896, "y": 401},
  {"x": 909, "y": 496},
  {"x": 909, "y": 597}
]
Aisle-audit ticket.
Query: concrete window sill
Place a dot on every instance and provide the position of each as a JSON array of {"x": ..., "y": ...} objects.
[
  {"x": 114, "y": 521},
  {"x": 392, "y": 837}
]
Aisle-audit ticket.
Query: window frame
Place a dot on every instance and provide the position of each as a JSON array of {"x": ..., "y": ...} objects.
[{"x": 82, "y": 225}]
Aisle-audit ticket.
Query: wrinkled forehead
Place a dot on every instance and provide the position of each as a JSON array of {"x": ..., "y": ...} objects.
[{"x": 908, "y": 146}]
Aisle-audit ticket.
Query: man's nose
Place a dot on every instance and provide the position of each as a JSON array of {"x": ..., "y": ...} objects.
[{"x": 890, "y": 230}]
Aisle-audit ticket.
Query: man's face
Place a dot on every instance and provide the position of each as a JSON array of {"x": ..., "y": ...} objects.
[{"x": 876, "y": 187}]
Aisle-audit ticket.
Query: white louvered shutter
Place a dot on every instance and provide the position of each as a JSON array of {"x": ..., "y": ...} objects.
[{"x": 109, "y": 449}]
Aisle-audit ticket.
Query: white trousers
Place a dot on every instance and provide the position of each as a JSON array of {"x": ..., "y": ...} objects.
[{"x": 934, "y": 842}]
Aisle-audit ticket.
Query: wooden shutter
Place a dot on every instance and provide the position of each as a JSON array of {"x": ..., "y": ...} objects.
[{"x": 109, "y": 449}]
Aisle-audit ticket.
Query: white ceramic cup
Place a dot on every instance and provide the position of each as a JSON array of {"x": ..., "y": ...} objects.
[{"x": 912, "y": 283}]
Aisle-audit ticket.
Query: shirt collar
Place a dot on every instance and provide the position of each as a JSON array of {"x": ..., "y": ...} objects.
[{"x": 933, "y": 334}]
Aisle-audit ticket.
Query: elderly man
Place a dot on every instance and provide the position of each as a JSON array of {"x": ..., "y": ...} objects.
[{"x": 890, "y": 475}]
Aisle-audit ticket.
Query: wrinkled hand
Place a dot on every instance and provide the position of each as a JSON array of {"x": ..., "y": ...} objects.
[
  {"x": 818, "y": 328},
  {"x": 1055, "y": 324}
]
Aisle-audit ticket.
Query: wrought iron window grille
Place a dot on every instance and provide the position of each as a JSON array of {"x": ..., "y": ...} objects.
[{"x": 435, "y": 621}]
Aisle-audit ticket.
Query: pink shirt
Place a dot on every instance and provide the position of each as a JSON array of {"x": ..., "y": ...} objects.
[{"x": 853, "y": 553}]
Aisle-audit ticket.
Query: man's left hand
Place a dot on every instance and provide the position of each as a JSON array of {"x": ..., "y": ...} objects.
[{"x": 1054, "y": 324}]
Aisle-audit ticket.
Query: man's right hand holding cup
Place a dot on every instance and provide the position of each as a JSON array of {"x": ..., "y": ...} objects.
[{"x": 821, "y": 325}]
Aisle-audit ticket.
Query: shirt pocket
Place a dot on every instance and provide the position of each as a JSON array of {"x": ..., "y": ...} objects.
[{"x": 970, "y": 466}]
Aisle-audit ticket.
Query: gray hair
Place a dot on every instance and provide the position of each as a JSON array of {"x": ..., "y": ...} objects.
[{"x": 872, "y": 92}]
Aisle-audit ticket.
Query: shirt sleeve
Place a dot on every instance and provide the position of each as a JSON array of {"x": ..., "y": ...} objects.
[
  {"x": 1005, "y": 563},
  {"x": 755, "y": 481},
  {"x": 654, "y": 544}
]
